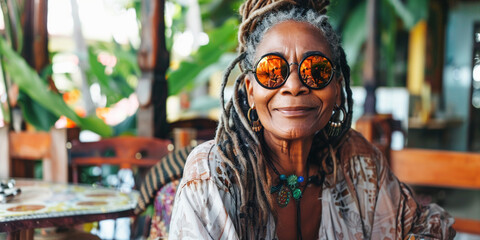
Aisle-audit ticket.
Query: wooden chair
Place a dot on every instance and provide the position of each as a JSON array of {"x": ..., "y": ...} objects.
[
  {"x": 4, "y": 155},
  {"x": 125, "y": 152},
  {"x": 205, "y": 127},
  {"x": 421, "y": 167},
  {"x": 21, "y": 148},
  {"x": 377, "y": 129}
]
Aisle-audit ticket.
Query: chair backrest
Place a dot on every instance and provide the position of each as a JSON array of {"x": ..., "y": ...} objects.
[
  {"x": 377, "y": 129},
  {"x": 205, "y": 127},
  {"x": 4, "y": 153},
  {"x": 437, "y": 168},
  {"x": 124, "y": 152},
  {"x": 422, "y": 167},
  {"x": 50, "y": 147},
  {"x": 441, "y": 169}
]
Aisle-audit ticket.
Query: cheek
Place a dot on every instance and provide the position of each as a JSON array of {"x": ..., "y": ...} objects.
[
  {"x": 329, "y": 99},
  {"x": 261, "y": 97}
]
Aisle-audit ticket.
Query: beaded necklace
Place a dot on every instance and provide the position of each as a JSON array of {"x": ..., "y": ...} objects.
[{"x": 290, "y": 185}]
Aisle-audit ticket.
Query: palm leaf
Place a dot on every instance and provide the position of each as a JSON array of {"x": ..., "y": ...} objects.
[
  {"x": 222, "y": 40},
  {"x": 32, "y": 85},
  {"x": 354, "y": 33}
]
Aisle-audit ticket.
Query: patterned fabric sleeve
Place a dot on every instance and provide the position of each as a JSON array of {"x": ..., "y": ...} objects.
[
  {"x": 199, "y": 213},
  {"x": 412, "y": 219}
]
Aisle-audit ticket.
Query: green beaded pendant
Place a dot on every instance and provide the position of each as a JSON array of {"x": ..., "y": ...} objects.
[
  {"x": 283, "y": 197},
  {"x": 297, "y": 193},
  {"x": 292, "y": 181},
  {"x": 288, "y": 187}
]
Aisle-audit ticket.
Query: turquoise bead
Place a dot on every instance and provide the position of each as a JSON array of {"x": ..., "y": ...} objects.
[{"x": 283, "y": 177}]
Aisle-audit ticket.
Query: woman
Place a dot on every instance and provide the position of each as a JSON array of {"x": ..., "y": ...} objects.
[{"x": 285, "y": 163}]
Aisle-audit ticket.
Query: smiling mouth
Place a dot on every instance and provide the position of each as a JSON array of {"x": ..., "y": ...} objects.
[{"x": 295, "y": 111}]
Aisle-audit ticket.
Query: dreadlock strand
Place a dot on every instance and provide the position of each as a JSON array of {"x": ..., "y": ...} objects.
[
  {"x": 225, "y": 128},
  {"x": 239, "y": 111},
  {"x": 346, "y": 74},
  {"x": 237, "y": 173},
  {"x": 225, "y": 78},
  {"x": 229, "y": 157},
  {"x": 245, "y": 154},
  {"x": 228, "y": 127},
  {"x": 260, "y": 193}
]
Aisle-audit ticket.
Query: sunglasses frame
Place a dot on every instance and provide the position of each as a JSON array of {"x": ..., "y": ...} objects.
[{"x": 309, "y": 54}]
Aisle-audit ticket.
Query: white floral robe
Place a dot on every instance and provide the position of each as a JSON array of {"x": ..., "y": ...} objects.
[{"x": 368, "y": 201}]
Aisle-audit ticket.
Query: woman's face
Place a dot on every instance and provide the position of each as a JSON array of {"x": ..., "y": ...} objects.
[{"x": 293, "y": 111}]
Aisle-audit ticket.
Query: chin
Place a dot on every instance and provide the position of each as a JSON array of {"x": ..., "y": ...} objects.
[{"x": 294, "y": 133}]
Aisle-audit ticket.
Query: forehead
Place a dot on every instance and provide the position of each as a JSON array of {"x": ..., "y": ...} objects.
[{"x": 292, "y": 39}]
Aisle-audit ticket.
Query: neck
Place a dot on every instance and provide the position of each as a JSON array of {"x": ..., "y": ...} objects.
[{"x": 289, "y": 156}]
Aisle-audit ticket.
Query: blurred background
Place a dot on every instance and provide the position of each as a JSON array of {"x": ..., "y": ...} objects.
[
  {"x": 425, "y": 54},
  {"x": 105, "y": 68}
]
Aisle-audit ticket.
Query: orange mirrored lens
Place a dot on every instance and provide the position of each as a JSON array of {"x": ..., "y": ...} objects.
[
  {"x": 272, "y": 71},
  {"x": 316, "y": 70}
]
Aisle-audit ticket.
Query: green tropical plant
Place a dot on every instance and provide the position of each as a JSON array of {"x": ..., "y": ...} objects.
[
  {"x": 347, "y": 16},
  {"x": 40, "y": 106},
  {"x": 191, "y": 72},
  {"x": 115, "y": 85},
  {"x": 349, "y": 19},
  {"x": 30, "y": 83}
]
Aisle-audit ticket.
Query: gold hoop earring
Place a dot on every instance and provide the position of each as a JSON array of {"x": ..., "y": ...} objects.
[
  {"x": 253, "y": 119},
  {"x": 334, "y": 125}
]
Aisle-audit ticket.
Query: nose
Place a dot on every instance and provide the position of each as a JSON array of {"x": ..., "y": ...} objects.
[{"x": 293, "y": 84}]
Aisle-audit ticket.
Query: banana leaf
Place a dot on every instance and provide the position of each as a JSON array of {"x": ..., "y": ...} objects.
[
  {"x": 388, "y": 23},
  {"x": 338, "y": 12},
  {"x": 13, "y": 28},
  {"x": 113, "y": 85},
  {"x": 5, "y": 108},
  {"x": 411, "y": 12},
  {"x": 222, "y": 40},
  {"x": 36, "y": 114},
  {"x": 355, "y": 33},
  {"x": 32, "y": 85}
]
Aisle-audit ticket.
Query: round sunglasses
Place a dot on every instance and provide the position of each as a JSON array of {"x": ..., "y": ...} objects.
[{"x": 315, "y": 70}]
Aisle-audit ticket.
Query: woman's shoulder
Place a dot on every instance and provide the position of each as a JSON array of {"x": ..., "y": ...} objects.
[
  {"x": 356, "y": 150},
  {"x": 355, "y": 145},
  {"x": 197, "y": 164},
  {"x": 204, "y": 164}
]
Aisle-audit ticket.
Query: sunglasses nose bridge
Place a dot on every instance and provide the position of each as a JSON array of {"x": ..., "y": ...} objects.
[
  {"x": 294, "y": 86},
  {"x": 293, "y": 70}
]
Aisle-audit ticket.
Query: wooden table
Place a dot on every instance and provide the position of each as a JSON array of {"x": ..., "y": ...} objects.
[{"x": 45, "y": 204}]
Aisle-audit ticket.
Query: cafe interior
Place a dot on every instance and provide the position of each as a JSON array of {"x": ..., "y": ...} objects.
[{"x": 102, "y": 100}]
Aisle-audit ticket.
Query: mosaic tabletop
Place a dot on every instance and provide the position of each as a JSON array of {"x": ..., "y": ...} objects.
[{"x": 42, "y": 200}]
